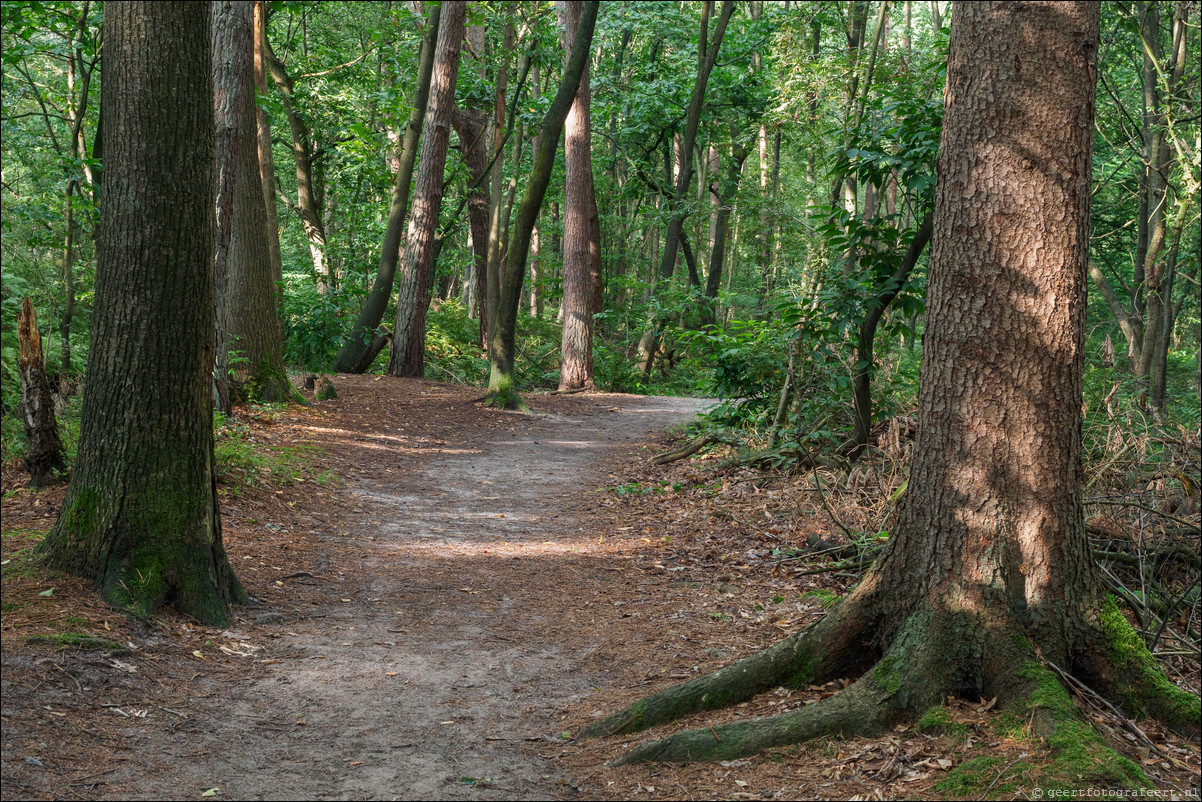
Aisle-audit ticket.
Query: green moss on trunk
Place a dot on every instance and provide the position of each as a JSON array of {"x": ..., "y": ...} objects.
[{"x": 1140, "y": 683}]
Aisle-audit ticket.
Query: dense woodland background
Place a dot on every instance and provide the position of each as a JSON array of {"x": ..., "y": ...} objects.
[{"x": 812, "y": 169}]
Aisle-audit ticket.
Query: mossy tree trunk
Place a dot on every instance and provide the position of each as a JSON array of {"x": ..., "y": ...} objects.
[
  {"x": 408, "y": 353},
  {"x": 140, "y": 515},
  {"x": 989, "y": 568},
  {"x": 501, "y": 347}
]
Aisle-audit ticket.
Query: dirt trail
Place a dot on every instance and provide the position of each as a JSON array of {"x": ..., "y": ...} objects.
[{"x": 426, "y": 659}]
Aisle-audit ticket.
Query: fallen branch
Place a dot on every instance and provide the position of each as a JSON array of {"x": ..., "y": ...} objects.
[{"x": 696, "y": 444}]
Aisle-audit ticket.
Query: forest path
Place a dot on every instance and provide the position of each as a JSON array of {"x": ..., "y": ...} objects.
[{"x": 444, "y": 630}]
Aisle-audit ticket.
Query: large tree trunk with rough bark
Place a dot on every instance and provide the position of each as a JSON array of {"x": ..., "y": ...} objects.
[
  {"x": 988, "y": 571},
  {"x": 44, "y": 456},
  {"x": 581, "y": 245},
  {"x": 502, "y": 346},
  {"x": 247, "y": 318},
  {"x": 408, "y": 352},
  {"x": 351, "y": 357},
  {"x": 140, "y": 515}
]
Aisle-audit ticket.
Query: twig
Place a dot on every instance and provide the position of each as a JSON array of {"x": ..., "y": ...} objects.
[
  {"x": 1093, "y": 697},
  {"x": 831, "y": 512},
  {"x": 1145, "y": 507},
  {"x": 1001, "y": 774}
]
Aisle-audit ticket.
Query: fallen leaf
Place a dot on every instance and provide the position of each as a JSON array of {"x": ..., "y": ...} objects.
[
  {"x": 196, "y": 653},
  {"x": 211, "y": 792},
  {"x": 390, "y": 673},
  {"x": 47, "y": 592}
]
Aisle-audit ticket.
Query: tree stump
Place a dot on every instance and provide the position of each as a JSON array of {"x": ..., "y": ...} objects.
[{"x": 44, "y": 459}]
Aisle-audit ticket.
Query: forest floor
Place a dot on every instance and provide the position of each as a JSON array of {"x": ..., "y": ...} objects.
[{"x": 445, "y": 594}]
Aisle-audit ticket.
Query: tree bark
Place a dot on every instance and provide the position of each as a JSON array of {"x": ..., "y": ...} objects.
[
  {"x": 308, "y": 204},
  {"x": 140, "y": 515},
  {"x": 989, "y": 570},
  {"x": 266, "y": 159},
  {"x": 247, "y": 315},
  {"x": 44, "y": 456},
  {"x": 862, "y": 375},
  {"x": 362, "y": 334},
  {"x": 725, "y": 199},
  {"x": 408, "y": 349},
  {"x": 501, "y": 391},
  {"x": 581, "y": 248},
  {"x": 232, "y": 48}
]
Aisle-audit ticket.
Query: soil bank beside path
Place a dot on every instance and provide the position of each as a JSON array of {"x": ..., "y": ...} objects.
[{"x": 431, "y": 630}]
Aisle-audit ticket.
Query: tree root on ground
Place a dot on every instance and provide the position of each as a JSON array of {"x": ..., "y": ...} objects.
[
  {"x": 938, "y": 650},
  {"x": 697, "y": 443},
  {"x": 767, "y": 459},
  {"x": 833, "y": 647}
]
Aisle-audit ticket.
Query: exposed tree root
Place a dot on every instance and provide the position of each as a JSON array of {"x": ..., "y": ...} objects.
[
  {"x": 697, "y": 443},
  {"x": 833, "y": 647},
  {"x": 861, "y": 709},
  {"x": 937, "y": 650}
]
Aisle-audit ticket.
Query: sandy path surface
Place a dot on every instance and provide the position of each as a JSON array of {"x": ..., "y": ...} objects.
[{"x": 429, "y": 659}]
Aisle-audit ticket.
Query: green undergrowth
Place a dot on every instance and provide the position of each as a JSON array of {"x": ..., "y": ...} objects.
[
  {"x": 242, "y": 462},
  {"x": 68, "y": 640},
  {"x": 18, "y": 561}
]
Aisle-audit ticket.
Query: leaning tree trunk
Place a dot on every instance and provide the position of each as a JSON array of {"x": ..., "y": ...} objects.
[
  {"x": 353, "y": 356},
  {"x": 866, "y": 339},
  {"x": 44, "y": 457},
  {"x": 501, "y": 347},
  {"x": 140, "y": 515},
  {"x": 988, "y": 571},
  {"x": 408, "y": 353},
  {"x": 581, "y": 248}
]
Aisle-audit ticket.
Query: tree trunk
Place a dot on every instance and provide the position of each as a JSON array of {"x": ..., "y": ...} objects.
[
  {"x": 140, "y": 515},
  {"x": 501, "y": 391},
  {"x": 729, "y": 188},
  {"x": 496, "y": 228},
  {"x": 247, "y": 316},
  {"x": 706, "y": 58},
  {"x": 308, "y": 205},
  {"x": 266, "y": 159},
  {"x": 408, "y": 351},
  {"x": 988, "y": 571},
  {"x": 44, "y": 456},
  {"x": 350, "y": 356},
  {"x": 232, "y": 49},
  {"x": 862, "y": 374},
  {"x": 581, "y": 250}
]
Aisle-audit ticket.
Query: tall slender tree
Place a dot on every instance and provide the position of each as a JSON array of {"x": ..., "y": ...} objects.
[
  {"x": 407, "y": 357},
  {"x": 140, "y": 516},
  {"x": 247, "y": 317},
  {"x": 365, "y": 342},
  {"x": 581, "y": 234},
  {"x": 988, "y": 575},
  {"x": 502, "y": 346}
]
